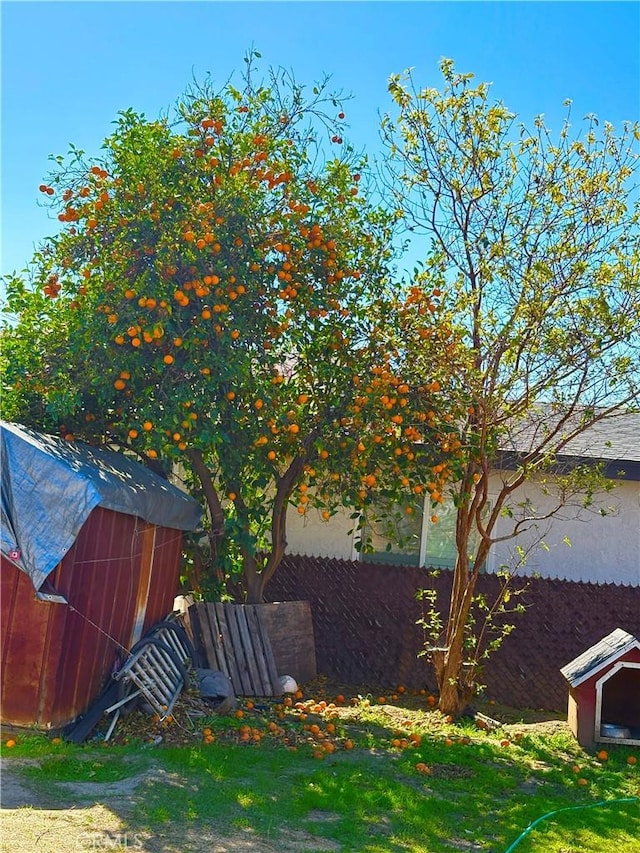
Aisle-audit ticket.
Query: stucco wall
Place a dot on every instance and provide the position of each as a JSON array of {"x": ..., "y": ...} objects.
[{"x": 603, "y": 549}]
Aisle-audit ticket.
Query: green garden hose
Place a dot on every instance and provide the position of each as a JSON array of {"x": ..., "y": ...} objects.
[{"x": 566, "y": 809}]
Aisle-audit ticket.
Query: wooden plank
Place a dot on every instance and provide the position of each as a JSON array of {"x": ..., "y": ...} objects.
[
  {"x": 219, "y": 659},
  {"x": 231, "y": 645},
  {"x": 289, "y": 626},
  {"x": 264, "y": 651},
  {"x": 243, "y": 656},
  {"x": 200, "y": 633},
  {"x": 252, "y": 669},
  {"x": 264, "y": 684}
]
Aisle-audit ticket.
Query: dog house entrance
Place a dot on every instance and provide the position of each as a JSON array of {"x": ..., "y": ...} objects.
[{"x": 617, "y": 718}]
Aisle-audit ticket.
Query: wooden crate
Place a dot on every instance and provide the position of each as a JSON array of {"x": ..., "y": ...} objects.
[{"x": 233, "y": 639}]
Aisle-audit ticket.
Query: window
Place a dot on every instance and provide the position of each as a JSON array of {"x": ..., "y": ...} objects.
[
  {"x": 395, "y": 537},
  {"x": 413, "y": 539}
]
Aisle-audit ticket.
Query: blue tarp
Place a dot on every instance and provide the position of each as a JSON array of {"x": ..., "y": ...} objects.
[{"x": 50, "y": 486}]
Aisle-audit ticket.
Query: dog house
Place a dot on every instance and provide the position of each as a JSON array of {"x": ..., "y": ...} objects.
[
  {"x": 604, "y": 691},
  {"x": 91, "y": 547}
]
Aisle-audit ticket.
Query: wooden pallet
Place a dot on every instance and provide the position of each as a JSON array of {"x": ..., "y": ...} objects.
[{"x": 234, "y": 640}]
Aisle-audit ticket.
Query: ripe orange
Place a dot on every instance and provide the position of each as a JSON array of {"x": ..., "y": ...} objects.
[{"x": 10, "y": 743}]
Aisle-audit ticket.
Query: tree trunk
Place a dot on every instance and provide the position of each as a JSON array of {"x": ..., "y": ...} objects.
[
  {"x": 456, "y": 684},
  {"x": 453, "y": 688},
  {"x": 254, "y": 580}
]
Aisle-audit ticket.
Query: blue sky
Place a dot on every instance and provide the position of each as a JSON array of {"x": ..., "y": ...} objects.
[{"x": 69, "y": 67}]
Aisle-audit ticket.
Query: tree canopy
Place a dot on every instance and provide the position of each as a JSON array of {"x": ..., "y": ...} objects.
[
  {"x": 220, "y": 299},
  {"x": 533, "y": 240}
]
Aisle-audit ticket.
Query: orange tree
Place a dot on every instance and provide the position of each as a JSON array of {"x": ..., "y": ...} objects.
[{"x": 218, "y": 302}]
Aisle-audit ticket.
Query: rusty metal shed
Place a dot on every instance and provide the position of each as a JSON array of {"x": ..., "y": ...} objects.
[{"x": 91, "y": 543}]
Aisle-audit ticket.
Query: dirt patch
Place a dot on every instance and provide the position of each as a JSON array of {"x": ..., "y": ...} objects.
[{"x": 71, "y": 817}]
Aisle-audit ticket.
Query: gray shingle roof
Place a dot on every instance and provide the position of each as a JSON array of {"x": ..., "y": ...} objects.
[
  {"x": 600, "y": 655},
  {"x": 614, "y": 440}
]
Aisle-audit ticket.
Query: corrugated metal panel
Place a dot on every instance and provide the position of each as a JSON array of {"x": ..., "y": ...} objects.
[
  {"x": 56, "y": 657},
  {"x": 166, "y": 575}
]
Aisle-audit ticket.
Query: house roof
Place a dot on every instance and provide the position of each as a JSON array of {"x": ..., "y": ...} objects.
[
  {"x": 50, "y": 486},
  {"x": 614, "y": 440},
  {"x": 599, "y": 656}
]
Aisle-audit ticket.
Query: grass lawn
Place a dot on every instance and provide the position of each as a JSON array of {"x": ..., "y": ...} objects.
[{"x": 333, "y": 774}]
